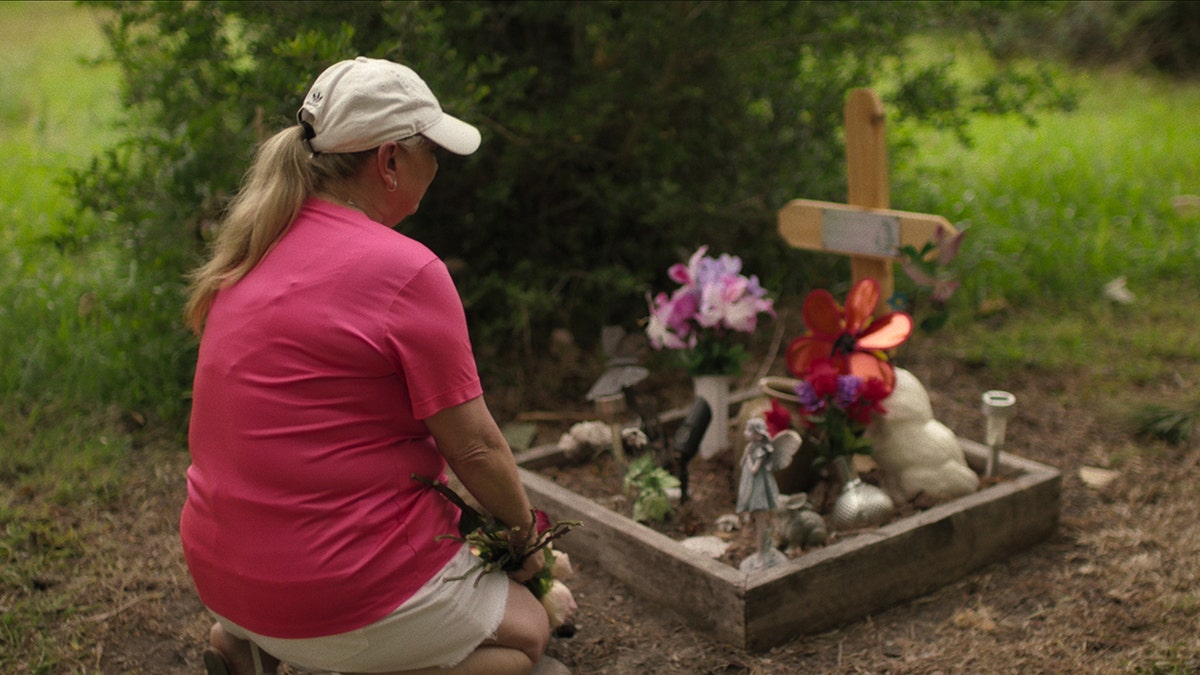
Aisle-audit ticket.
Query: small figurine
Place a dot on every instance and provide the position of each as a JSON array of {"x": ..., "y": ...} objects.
[
  {"x": 758, "y": 492},
  {"x": 801, "y": 526}
]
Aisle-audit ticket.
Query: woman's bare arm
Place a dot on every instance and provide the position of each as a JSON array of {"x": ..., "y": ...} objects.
[{"x": 478, "y": 454}]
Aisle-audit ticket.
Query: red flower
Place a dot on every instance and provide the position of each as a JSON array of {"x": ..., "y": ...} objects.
[
  {"x": 869, "y": 401},
  {"x": 845, "y": 338},
  {"x": 778, "y": 418},
  {"x": 541, "y": 521},
  {"x": 822, "y": 376}
]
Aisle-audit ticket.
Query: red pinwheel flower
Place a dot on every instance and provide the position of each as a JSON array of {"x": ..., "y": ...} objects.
[{"x": 845, "y": 338}]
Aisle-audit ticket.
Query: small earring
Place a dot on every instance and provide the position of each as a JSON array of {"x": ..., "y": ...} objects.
[{"x": 392, "y": 187}]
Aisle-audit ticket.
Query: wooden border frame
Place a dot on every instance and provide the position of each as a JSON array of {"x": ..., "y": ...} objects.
[{"x": 823, "y": 588}]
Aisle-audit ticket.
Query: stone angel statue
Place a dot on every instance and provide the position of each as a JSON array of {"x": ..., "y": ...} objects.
[{"x": 758, "y": 493}]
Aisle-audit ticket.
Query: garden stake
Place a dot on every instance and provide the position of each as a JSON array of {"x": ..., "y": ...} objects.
[{"x": 997, "y": 408}]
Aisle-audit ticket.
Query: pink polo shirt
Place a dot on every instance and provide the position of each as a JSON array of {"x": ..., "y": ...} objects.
[{"x": 314, "y": 374}]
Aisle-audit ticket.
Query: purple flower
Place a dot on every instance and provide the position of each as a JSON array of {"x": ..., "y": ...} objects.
[
  {"x": 725, "y": 298},
  {"x": 848, "y": 387},
  {"x": 808, "y": 397}
]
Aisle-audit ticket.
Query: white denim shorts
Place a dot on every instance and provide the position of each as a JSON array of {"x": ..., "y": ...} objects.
[{"x": 440, "y": 625}]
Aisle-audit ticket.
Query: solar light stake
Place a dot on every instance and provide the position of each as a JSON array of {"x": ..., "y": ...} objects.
[
  {"x": 687, "y": 440},
  {"x": 997, "y": 408}
]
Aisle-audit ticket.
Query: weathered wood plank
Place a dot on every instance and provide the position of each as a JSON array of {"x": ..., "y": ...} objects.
[{"x": 867, "y": 179}]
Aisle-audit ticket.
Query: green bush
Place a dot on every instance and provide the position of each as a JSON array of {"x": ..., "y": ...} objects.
[
  {"x": 617, "y": 136},
  {"x": 1155, "y": 35}
]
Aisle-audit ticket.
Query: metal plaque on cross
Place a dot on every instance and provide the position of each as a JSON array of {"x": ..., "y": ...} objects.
[{"x": 864, "y": 228}]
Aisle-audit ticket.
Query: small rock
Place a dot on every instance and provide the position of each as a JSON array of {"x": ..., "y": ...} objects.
[
  {"x": 979, "y": 619},
  {"x": 634, "y": 439},
  {"x": 520, "y": 435},
  {"x": 729, "y": 523},
  {"x": 707, "y": 545},
  {"x": 584, "y": 440}
]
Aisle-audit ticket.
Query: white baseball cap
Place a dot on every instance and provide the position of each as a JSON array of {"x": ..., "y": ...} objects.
[{"x": 361, "y": 104}]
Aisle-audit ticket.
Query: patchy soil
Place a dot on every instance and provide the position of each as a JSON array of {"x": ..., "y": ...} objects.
[
  {"x": 712, "y": 497},
  {"x": 1115, "y": 589},
  {"x": 712, "y": 492}
]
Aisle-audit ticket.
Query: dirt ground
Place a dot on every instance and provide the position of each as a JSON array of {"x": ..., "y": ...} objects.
[{"x": 1113, "y": 590}]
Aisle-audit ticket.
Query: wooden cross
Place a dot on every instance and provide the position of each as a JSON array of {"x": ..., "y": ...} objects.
[{"x": 864, "y": 228}]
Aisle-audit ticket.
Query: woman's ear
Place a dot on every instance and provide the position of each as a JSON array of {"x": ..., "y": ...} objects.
[
  {"x": 387, "y": 163},
  {"x": 385, "y": 157}
]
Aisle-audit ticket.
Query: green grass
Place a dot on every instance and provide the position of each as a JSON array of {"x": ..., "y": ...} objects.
[
  {"x": 1126, "y": 353},
  {"x": 62, "y": 452},
  {"x": 75, "y": 325},
  {"x": 1058, "y": 209},
  {"x": 63, "y": 470},
  {"x": 53, "y": 112},
  {"x": 56, "y": 114},
  {"x": 1054, "y": 211}
]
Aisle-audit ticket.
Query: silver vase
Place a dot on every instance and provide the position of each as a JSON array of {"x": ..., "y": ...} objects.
[{"x": 860, "y": 504}]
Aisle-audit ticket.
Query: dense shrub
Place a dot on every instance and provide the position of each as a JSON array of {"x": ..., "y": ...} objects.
[
  {"x": 617, "y": 136},
  {"x": 1155, "y": 35}
]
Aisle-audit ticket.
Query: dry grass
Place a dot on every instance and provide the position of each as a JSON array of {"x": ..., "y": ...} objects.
[{"x": 1114, "y": 590}]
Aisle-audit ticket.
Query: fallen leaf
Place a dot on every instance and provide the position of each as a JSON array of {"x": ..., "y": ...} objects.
[
  {"x": 1097, "y": 478},
  {"x": 977, "y": 618}
]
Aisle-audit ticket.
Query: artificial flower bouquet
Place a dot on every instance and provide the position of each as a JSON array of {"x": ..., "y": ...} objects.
[
  {"x": 843, "y": 369},
  {"x": 713, "y": 303},
  {"x": 493, "y": 543}
]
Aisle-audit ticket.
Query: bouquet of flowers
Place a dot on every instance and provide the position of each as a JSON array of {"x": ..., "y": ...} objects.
[
  {"x": 836, "y": 410},
  {"x": 714, "y": 301},
  {"x": 843, "y": 371},
  {"x": 494, "y": 545}
]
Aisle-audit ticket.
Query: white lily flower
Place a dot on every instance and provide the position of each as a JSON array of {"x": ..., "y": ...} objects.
[
  {"x": 561, "y": 569},
  {"x": 559, "y": 603}
]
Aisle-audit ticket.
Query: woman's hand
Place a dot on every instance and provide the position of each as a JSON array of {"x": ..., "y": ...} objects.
[{"x": 532, "y": 565}]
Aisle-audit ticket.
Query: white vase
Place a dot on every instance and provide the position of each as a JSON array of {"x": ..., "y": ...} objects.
[{"x": 715, "y": 390}]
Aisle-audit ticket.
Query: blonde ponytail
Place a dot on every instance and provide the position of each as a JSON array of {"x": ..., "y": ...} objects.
[{"x": 282, "y": 176}]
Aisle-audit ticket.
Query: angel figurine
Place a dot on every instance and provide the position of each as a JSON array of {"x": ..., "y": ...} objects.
[{"x": 758, "y": 493}]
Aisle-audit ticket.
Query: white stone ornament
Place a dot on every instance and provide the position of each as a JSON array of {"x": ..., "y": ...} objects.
[{"x": 915, "y": 452}]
